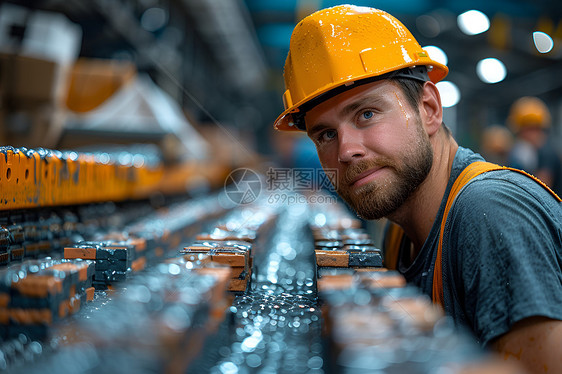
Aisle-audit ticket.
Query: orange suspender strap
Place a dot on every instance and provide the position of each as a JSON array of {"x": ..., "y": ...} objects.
[
  {"x": 392, "y": 240},
  {"x": 471, "y": 171}
]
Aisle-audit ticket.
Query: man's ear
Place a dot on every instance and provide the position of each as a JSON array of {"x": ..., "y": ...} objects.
[{"x": 431, "y": 111}]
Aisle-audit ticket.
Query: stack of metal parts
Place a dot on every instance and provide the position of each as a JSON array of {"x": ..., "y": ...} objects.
[
  {"x": 376, "y": 323},
  {"x": 42, "y": 177},
  {"x": 95, "y": 204},
  {"x": 33, "y": 178},
  {"x": 231, "y": 240},
  {"x": 117, "y": 253},
  {"x": 154, "y": 324},
  {"x": 235, "y": 254},
  {"x": 38, "y": 293},
  {"x": 9, "y": 248},
  {"x": 345, "y": 248},
  {"x": 113, "y": 259},
  {"x": 40, "y": 232},
  {"x": 131, "y": 328},
  {"x": 340, "y": 242},
  {"x": 32, "y": 234}
]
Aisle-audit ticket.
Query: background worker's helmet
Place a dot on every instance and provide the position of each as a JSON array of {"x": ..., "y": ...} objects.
[
  {"x": 496, "y": 143},
  {"x": 528, "y": 112},
  {"x": 341, "y": 47}
]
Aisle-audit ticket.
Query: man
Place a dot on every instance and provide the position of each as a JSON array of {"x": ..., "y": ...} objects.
[
  {"x": 533, "y": 151},
  {"x": 490, "y": 253}
]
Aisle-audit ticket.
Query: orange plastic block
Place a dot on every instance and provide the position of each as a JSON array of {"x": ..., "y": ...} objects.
[
  {"x": 332, "y": 258},
  {"x": 31, "y": 316},
  {"x": 83, "y": 253},
  {"x": 335, "y": 282},
  {"x": 4, "y": 300},
  {"x": 90, "y": 293},
  {"x": 238, "y": 284},
  {"x": 388, "y": 279},
  {"x": 67, "y": 267},
  {"x": 139, "y": 264},
  {"x": 38, "y": 285}
]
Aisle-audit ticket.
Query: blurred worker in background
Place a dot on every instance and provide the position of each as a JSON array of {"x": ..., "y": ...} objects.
[
  {"x": 294, "y": 151},
  {"x": 533, "y": 151},
  {"x": 496, "y": 143},
  {"x": 482, "y": 240}
]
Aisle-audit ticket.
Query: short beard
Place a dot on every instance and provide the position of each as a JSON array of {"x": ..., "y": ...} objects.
[{"x": 376, "y": 200}]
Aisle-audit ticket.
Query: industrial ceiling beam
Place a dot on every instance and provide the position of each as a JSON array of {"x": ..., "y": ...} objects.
[{"x": 226, "y": 28}]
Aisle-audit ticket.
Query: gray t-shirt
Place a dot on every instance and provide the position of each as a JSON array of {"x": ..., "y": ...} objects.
[{"x": 502, "y": 252}]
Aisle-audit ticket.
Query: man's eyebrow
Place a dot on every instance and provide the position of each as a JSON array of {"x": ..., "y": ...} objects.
[
  {"x": 367, "y": 100},
  {"x": 316, "y": 128},
  {"x": 363, "y": 101}
]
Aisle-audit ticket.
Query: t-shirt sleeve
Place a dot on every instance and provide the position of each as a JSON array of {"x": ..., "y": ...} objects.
[{"x": 504, "y": 261}]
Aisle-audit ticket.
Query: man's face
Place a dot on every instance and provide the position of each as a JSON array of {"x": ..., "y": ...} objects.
[
  {"x": 378, "y": 144},
  {"x": 534, "y": 135}
]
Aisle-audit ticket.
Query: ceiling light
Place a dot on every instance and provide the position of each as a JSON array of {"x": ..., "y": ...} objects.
[
  {"x": 491, "y": 70},
  {"x": 437, "y": 54},
  {"x": 543, "y": 42},
  {"x": 449, "y": 92},
  {"x": 473, "y": 22}
]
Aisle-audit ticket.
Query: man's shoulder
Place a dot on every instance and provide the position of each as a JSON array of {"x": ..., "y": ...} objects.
[
  {"x": 505, "y": 180},
  {"x": 507, "y": 192},
  {"x": 502, "y": 182}
]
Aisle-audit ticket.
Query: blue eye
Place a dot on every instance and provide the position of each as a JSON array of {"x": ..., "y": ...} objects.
[
  {"x": 368, "y": 114},
  {"x": 327, "y": 136}
]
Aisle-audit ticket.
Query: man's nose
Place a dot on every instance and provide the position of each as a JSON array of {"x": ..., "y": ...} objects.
[{"x": 350, "y": 145}]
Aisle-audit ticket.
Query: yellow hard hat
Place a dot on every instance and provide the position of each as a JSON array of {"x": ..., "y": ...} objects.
[
  {"x": 496, "y": 139},
  {"x": 529, "y": 111},
  {"x": 339, "y": 46}
]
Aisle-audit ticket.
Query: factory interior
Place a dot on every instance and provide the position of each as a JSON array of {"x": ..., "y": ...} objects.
[{"x": 153, "y": 221}]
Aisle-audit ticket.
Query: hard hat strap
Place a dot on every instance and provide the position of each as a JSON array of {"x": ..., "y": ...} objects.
[{"x": 418, "y": 73}]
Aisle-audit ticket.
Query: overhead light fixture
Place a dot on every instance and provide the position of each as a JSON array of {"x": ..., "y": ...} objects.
[
  {"x": 449, "y": 92},
  {"x": 543, "y": 41},
  {"x": 491, "y": 70},
  {"x": 473, "y": 22},
  {"x": 437, "y": 54}
]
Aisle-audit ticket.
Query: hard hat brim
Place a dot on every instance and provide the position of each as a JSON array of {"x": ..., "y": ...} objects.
[{"x": 285, "y": 122}]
